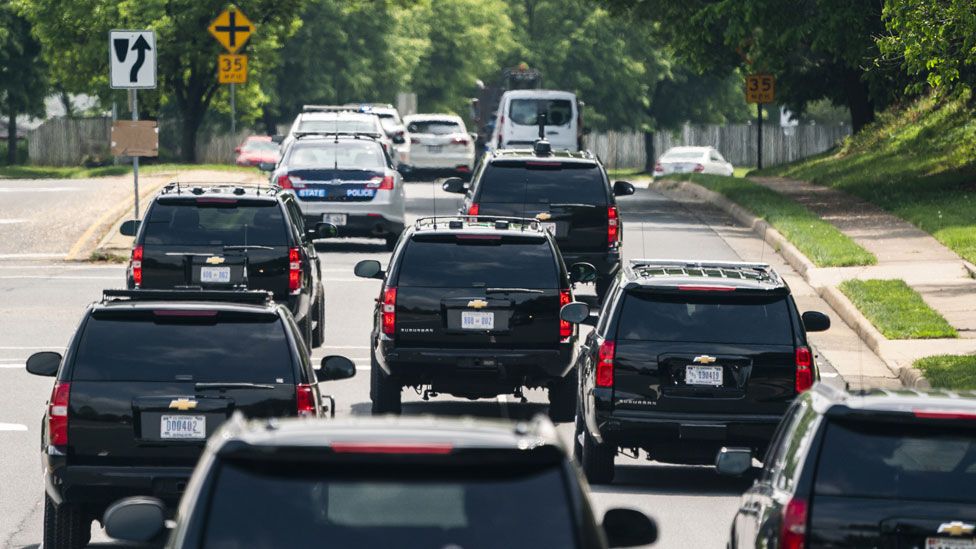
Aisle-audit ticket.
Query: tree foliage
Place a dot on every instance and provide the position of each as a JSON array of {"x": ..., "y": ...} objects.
[{"x": 23, "y": 76}]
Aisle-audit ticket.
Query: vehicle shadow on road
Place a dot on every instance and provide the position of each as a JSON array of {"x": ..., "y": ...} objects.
[
  {"x": 351, "y": 247},
  {"x": 456, "y": 408},
  {"x": 662, "y": 479}
]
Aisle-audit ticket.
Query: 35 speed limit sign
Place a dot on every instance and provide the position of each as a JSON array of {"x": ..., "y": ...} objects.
[
  {"x": 232, "y": 69},
  {"x": 760, "y": 88}
]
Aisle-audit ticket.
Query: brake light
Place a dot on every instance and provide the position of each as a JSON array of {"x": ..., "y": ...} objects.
[
  {"x": 793, "y": 529},
  {"x": 658, "y": 168},
  {"x": 460, "y": 141},
  {"x": 604, "y": 365},
  {"x": 389, "y": 311},
  {"x": 565, "y": 328},
  {"x": 473, "y": 209},
  {"x": 415, "y": 140},
  {"x": 305, "y": 399},
  {"x": 382, "y": 183},
  {"x": 57, "y": 414},
  {"x": 699, "y": 168},
  {"x": 944, "y": 414},
  {"x": 613, "y": 224},
  {"x": 294, "y": 270},
  {"x": 136, "y": 265},
  {"x": 391, "y": 448},
  {"x": 804, "y": 369},
  {"x": 285, "y": 182}
]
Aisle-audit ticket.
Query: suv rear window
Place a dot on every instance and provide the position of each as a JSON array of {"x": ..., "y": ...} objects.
[
  {"x": 236, "y": 223},
  {"x": 897, "y": 461},
  {"x": 448, "y": 261},
  {"x": 543, "y": 183},
  {"x": 436, "y": 127},
  {"x": 419, "y": 506},
  {"x": 203, "y": 349},
  {"x": 705, "y": 319},
  {"x": 525, "y": 112}
]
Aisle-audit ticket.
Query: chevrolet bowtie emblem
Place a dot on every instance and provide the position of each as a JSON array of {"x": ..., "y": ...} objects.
[
  {"x": 956, "y": 528},
  {"x": 705, "y": 359},
  {"x": 183, "y": 404},
  {"x": 544, "y": 216},
  {"x": 477, "y": 304},
  {"x": 214, "y": 260}
]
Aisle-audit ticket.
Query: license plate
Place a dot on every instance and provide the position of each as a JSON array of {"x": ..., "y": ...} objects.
[
  {"x": 949, "y": 543},
  {"x": 215, "y": 274},
  {"x": 550, "y": 226},
  {"x": 434, "y": 148},
  {"x": 471, "y": 320},
  {"x": 703, "y": 375},
  {"x": 183, "y": 427},
  {"x": 335, "y": 219}
]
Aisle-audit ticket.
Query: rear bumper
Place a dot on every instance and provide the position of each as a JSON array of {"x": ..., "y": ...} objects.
[
  {"x": 386, "y": 204},
  {"x": 638, "y": 428},
  {"x": 607, "y": 263},
  {"x": 368, "y": 225},
  {"x": 446, "y": 162},
  {"x": 96, "y": 487}
]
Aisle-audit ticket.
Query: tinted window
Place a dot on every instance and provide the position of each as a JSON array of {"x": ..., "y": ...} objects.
[
  {"x": 898, "y": 461},
  {"x": 543, "y": 184},
  {"x": 647, "y": 316},
  {"x": 344, "y": 155},
  {"x": 265, "y": 505},
  {"x": 501, "y": 263},
  {"x": 524, "y": 112},
  {"x": 436, "y": 127},
  {"x": 334, "y": 126},
  {"x": 230, "y": 224},
  {"x": 147, "y": 348}
]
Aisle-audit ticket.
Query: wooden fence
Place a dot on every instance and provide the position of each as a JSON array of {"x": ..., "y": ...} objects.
[{"x": 69, "y": 141}]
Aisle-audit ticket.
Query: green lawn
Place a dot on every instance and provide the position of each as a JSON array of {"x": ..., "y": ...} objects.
[
  {"x": 949, "y": 371},
  {"x": 820, "y": 241},
  {"x": 625, "y": 173},
  {"x": 77, "y": 172},
  {"x": 896, "y": 310},
  {"x": 918, "y": 163}
]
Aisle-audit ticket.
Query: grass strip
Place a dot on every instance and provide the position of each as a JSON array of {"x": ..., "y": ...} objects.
[
  {"x": 78, "y": 172},
  {"x": 956, "y": 372},
  {"x": 896, "y": 310}
]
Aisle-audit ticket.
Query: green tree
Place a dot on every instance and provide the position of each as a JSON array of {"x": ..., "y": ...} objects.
[{"x": 23, "y": 81}]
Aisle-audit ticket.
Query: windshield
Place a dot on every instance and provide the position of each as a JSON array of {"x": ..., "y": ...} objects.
[
  {"x": 415, "y": 506},
  {"x": 524, "y": 112},
  {"x": 337, "y": 126},
  {"x": 543, "y": 184},
  {"x": 234, "y": 224},
  {"x": 678, "y": 156},
  {"x": 197, "y": 349},
  {"x": 446, "y": 262},
  {"x": 344, "y": 155},
  {"x": 435, "y": 127}
]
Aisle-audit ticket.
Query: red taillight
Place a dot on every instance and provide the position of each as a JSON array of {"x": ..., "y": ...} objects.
[
  {"x": 389, "y": 311},
  {"x": 804, "y": 369},
  {"x": 473, "y": 210},
  {"x": 793, "y": 529},
  {"x": 565, "y": 328},
  {"x": 294, "y": 270},
  {"x": 57, "y": 414},
  {"x": 658, "y": 168},
  {"x": 604, "y": 365},
  {"x": 415, "y": 140},
  {"x": 391, "y": 448},
  {"x": 381, "y": 183},
  {"x": 305, "y": 399},
  {"x": 944, "y": 414},
  {"x": 136, "y": 265},
  {"x": 699, "y": 168},
  {"x": 460, "y": 141},
  {"x": 285, "y": 182},
  {"x": 613, "y": 224}
]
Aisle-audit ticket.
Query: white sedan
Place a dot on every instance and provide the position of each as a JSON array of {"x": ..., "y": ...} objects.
[
  {"x": 692, "y": 160},
  {"x": 440, "y": 143}
]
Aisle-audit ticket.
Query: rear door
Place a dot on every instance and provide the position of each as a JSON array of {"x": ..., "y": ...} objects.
[
  {"x": 476, "y": 290},
  {"x": 208, "y": 242},
  {"x": 570, "y": 198},
  {"x": 148, "y": 386},
  {"x": 702, "y": 352}
]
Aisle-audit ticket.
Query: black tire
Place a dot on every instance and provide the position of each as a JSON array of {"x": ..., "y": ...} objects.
[
  {"x": 562, "y": 398},
  {"x": 391, "y": 241},
  {"x": 597, "y": 460},
  {"x": 384, "y": 391},
  {"x": 65, "y": 526},
  {"x": 318, "y": 332},
  {"x": 602, "y": 287}
]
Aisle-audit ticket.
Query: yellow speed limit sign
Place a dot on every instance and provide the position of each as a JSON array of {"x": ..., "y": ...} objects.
[
  {"x": 760, "y": 88},
  {"x": 232, "y": 69}
]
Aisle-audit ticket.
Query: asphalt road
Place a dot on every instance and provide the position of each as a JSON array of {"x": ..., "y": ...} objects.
[{"x": 41, "y": 302}]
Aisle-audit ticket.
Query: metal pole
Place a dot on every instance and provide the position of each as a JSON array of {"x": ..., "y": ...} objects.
[
  {"x": 233, "y": 109},
  {"x": 759, "y": 136},
  {"x": 134, "y": 100}
]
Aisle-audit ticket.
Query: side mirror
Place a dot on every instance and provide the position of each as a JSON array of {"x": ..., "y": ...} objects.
[
  {"x": 369, "y": 268},
  {"x": 628, "y": 528},
  {"x": 455, "y": 185},
  {"x": 473, "y": 136},
  {"x": 130, "y": 227},
  {"x": 137, "y": 519},
  {"x": 266, "y": 166},
  {"x": 623, "y": 188},
  {"x": 733, "y": 462},
  {"x": 576, "y": 312},
  {"x": 398, "y": 139},
  {"x": 335, "y": 367},
  {"x": 277, "y": 139},
  {"x": 237, "y": 150},
  {"x": 45, "y": 363},
  {"x": 582, "y": 272},
  {"x": 815, "y": 321},
  {"x": 325, "y": 230}
]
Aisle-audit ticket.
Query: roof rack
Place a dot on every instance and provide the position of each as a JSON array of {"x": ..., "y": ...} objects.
[
  {"x": 654, "y": 268},
  {"x": 238, "y": 189},
  {"x": 554, "y": 154},
  {"x": 484, "y": 221},
  {"x": 356, "y": 135},
  {"x": 370, "y": 105},
  {"x": 328, "y": 108},
  {"x": 258, "y": 297}
]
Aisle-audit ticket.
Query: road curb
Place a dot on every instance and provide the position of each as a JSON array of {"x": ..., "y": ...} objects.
[{"x": 970, "y": 268}]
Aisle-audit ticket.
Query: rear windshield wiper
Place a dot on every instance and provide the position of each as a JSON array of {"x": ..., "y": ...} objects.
[
  {"x": 505, "y": 290},
  {"x": 240, "y": 385},
  {"x": 573, "y": 205},
  {"x": 247, "y": 247}
]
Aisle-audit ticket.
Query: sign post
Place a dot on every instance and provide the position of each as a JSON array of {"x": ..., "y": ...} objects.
[
  {"x": 760, "y": 89},
  {"x": 232, "y": 29},
  {"x": 132, "y": 66}
]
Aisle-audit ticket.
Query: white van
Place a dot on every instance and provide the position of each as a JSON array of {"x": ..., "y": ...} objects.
[{"x": 516, "y": 121}]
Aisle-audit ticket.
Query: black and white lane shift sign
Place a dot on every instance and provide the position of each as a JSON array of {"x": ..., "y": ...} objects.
[{"x": 132, "y": 59}]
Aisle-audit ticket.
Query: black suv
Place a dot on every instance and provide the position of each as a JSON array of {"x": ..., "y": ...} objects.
[
  {"x": 874, "y": 468},
  {"x": 688, "y": 357},
  {"x": 568, "y": 192},
  {"x": 413, "y": 483},
  {"x": 470, "y": 306},
  {"x": 232, "y": 237},
  {"x": 148, "y": 375}
]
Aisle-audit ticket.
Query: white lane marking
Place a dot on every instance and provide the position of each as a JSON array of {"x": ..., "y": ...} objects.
[
  {"x": 350, "y": 279},
  {"x": 12, "y": 221},
  {"x": 59, "y": 255},
  {"x": 65, "y": 267},
  {"x": 12, "y": 427},
  {"x": 12, "y": 366},
  {"x": 347, "y": 347},
  {"x": 37, "y": 189},
  {"x": 9, "y": 348},
  {"x": 829, "y": 374},
  {"x": 57, "y": 277}
]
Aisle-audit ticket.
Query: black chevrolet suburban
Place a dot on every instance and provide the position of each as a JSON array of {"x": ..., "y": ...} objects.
[
  {"x": 147, "y": 377},
  {"x": 687, "y": 357}
]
